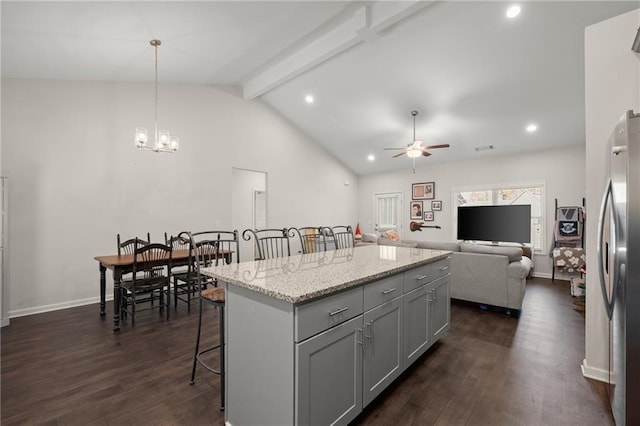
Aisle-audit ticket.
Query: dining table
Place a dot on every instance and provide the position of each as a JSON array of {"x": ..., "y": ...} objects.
[{"x": 120, "y": 264}]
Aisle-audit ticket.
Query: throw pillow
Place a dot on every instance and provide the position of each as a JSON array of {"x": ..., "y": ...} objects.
[{"x": 393, "y": 235}]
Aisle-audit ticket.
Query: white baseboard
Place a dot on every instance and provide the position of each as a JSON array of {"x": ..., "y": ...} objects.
[
  {"x": 594, "y": 373},
  {"x": 54, "y": 307},
  {"x": 548, "y": 276}
]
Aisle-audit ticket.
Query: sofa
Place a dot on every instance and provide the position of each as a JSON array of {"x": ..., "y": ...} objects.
[{"x": 493, "y": 276}]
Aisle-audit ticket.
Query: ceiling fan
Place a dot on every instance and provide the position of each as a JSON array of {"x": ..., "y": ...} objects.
[{"x": 416, "y": 149}]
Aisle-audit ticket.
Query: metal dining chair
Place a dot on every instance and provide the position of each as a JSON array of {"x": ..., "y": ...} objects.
[
  {"x": 269, "y": 243},
  {"x": 211, "y": 248},
  {"x": 312, "y": 239},
  {"x": 341, "y": 235}
]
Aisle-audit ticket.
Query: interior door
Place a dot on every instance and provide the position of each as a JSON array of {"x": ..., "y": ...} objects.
[
  {"x": 248, "y": 206},
  {"x": 387, "y": 212}
]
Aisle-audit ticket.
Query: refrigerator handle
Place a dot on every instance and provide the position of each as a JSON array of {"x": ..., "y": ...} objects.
[{"x": 608, "y": 303}]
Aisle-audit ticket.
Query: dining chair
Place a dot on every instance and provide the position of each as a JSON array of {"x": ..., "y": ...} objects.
[
  {"x": 343, "y": 236},
  {"x": 312, "y": 239},
  {"x": 127, "y": 247},
  {"x": 147, "y": 279},
  {"x": 212, "y": 248},
  {"x": 183, "y": 277},
  {"x": 269, "y": 243}
]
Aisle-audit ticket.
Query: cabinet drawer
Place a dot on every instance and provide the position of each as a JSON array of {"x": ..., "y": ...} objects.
[
  {"x": 314, "y": 317},
  {"x": 424, "y": 274},
  {"x": 417, "y": 277},
  {"x": 441, "y": 268},
  {"x": 382, "y": 291}
]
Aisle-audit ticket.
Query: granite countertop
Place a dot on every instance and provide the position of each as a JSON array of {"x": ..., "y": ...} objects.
[{"x": 301, "y": 278}]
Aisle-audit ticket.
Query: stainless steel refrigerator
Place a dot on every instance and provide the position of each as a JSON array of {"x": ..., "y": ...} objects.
[{"x": 619, "y": 267}]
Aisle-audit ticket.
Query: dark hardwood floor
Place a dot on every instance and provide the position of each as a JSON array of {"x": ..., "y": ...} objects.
[{"x": 68, "y": 368}]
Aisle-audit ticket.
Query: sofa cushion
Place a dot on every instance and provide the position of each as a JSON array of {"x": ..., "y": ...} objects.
[
  {"x": 513, "y": 253},
  {"x": 369, "y": 238},
  {"x": 389, "y": 242},
  {"x": 437, "y": 245}
]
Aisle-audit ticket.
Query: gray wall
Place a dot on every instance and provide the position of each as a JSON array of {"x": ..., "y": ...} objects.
[
  {"x": 77, "y": 180},
  {"x": 561, "y": 170}
]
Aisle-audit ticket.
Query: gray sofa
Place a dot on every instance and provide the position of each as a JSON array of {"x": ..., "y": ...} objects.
[{"x": 488, "y": 275}]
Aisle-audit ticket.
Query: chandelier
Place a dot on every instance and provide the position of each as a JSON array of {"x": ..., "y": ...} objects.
[{"x": 163, "y": 141}]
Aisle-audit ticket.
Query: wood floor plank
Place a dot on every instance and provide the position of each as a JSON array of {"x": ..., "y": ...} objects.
[{"x": 68, "y": 368}]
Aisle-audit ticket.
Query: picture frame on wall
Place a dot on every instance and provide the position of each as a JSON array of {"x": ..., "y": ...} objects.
[
  {"x": 416, "y": 209},
  {"x": 436, "y": 206},
  {"x": 423, "y": 191},
  {"x": 428, "y": 216}
]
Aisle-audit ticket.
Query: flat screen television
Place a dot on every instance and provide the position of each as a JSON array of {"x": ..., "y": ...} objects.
[{"x": 510, "y": 224}]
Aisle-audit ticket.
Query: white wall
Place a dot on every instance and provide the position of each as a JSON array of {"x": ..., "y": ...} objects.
[
  {"x": 612, "y": 86},
  {"x": 77, "y": 180},
  {"x": 561, "y": 170}
]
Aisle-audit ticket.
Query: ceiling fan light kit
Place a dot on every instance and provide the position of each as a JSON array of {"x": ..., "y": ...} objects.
[{"x": 416, "y": 148}]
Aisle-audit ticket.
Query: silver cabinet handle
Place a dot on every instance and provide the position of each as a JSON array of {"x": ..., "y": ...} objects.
[
  {"x": 390, "y": 290},
  {"x": 360, "y": 337},
  {"x": 367, "y": 327},
  {"x": 421, "y": 277},
  {"x": 338, "y": 311},
  {"x": 429, "y": 299},
  {"x": 444, "y": 268}
]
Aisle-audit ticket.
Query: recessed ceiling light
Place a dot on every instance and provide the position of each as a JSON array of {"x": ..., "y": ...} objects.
[
  {"x": 513, "y": 11},
  {"x": 531, "y": 128},
  {"x": 371, "y": 157},
  {"x": 309, "y": 99}
]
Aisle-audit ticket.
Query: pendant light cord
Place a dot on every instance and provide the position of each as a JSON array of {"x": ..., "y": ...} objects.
[{"x": 156, "y": 90}]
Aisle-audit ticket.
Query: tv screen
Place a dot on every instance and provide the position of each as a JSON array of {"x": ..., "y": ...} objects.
[{"x": 495, "y": 223}]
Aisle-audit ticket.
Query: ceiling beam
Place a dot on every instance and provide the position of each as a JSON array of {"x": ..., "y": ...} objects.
[{"x": 364, "y": 25}]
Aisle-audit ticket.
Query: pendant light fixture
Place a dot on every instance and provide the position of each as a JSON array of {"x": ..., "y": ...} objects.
[{"x": 163, "y": 141}]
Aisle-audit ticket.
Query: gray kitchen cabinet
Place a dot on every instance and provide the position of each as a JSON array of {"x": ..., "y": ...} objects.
[
  {"x": 416, "y": 324},
  {"x": 329, "y": 376},
  {"x": 439, "y": 308},
  {"x": 383, "y": 348},
  {"x": 297, "y": 350}
]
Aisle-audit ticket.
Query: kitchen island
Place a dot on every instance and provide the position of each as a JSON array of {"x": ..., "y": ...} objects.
[{"x": 313, "y": 338}]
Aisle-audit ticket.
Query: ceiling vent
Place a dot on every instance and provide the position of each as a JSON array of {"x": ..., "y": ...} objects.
[{"x": 484, "y": 148}]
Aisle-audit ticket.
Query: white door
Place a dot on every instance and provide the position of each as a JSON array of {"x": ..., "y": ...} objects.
[
  {"x": 387, "y": 212},
  {"x": 248, "y": 206}
]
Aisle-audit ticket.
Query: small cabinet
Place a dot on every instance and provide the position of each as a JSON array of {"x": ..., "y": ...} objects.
[
  {"x": 439, "y": 308},
  {"x": 383, "y": 348},
  {"x": 329, "y": 376}
]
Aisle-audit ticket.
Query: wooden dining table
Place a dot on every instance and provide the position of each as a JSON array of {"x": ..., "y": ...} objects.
[{"x": 122, "y": 264}]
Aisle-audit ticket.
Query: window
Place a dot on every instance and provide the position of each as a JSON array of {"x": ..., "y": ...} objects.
[{"x": 531, "y": 194}]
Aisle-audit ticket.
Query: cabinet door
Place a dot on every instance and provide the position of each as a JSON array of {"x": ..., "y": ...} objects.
[
  {"x": 383, "y": 349},
  {"x": 329, "y": 376},
  {"x": 440, "y": 309},
  {"x": 416, "y": 324}
]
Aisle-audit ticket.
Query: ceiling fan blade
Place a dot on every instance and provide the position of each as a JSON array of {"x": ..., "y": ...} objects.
[
  {"x": 398, "y": 155},
  {"x": 444, "y": 145},
  {"x": 388, "y": 149},
  {"x": 426, "y": 154}
]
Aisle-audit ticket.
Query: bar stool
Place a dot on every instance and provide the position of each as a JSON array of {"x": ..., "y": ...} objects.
[{"x": 210, "y": 248}]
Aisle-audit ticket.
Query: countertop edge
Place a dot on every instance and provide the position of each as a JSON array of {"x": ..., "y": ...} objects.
[{"x": 332, "y": 289}]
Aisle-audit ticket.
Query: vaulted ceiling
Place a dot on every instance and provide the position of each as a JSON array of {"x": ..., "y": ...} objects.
[{"x": 477, "y": 77}]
